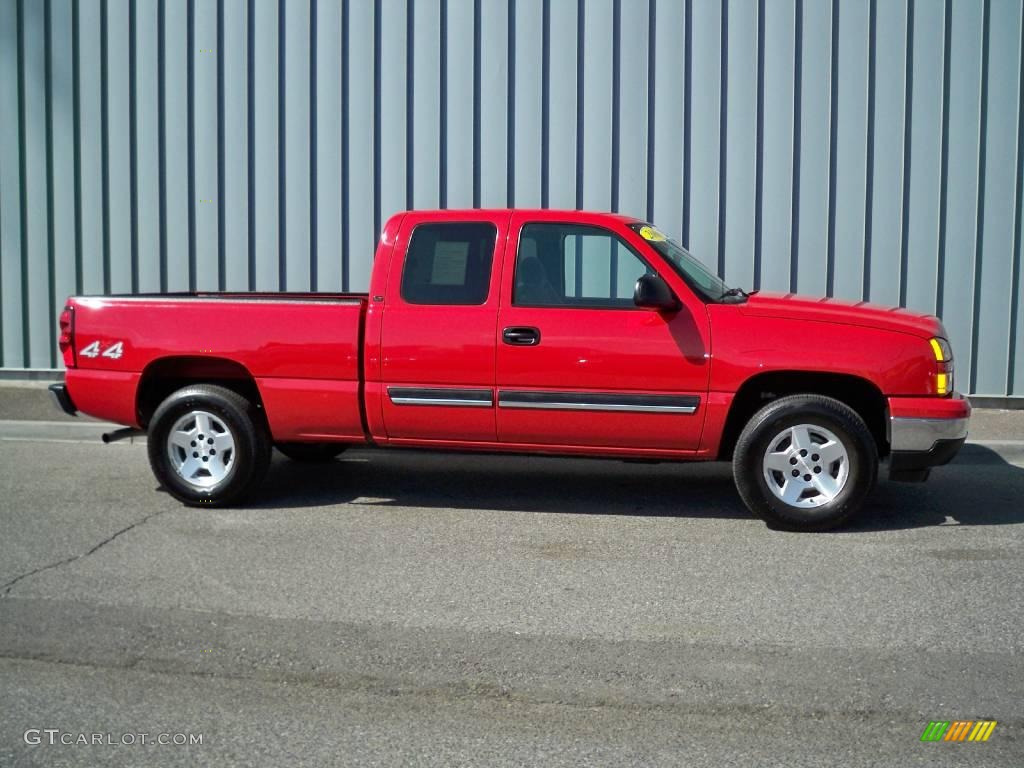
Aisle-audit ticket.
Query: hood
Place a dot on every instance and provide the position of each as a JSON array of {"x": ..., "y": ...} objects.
[{"x": 824, "y": 310}]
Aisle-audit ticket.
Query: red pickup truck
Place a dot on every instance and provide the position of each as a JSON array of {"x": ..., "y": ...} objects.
[{"x": 526, "y": 331}]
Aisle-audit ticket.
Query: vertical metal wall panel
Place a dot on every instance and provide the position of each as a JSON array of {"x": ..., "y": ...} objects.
[
  {"x": 595, "y": 174},
  {"x": 633, "y": 85},
  {"x": 528, "y": 98},
  {"x": 860, "y": 148},
  {"x": 12, "y": 332},
  {"x": 392, "y": 102},
  {"x": 327, "y": 200},
  {"x": 204, "y": 144},
  {"x": 777, "y": 149},
  {"x": 425, "y": 117},
  {"x": 737, "y": 242},
  {"x": 295, "y": 144},
  {"x": 460, "y": 86},
  {"x": 887, "y": 169},
  {"x": 665, "y": 158},
  {"x": 706, "y": 138},
  {"x": 360, "y": 148},
  {"x": 267, "y": 103},
  {"x": 561, "y": 106},
  {"x": 176, "y": 225},
  {"x": 146, "y": 137},
  {"x": 850, "y": 137},
  {"x": 35, "y": 232},
  {"x": 1015, "y": 379},
  {"x": 117, "y": 149},
  {"x": 61, "y": 161},
  {"x": 233, "y": 197},
  {"x": 994, "y": 291},
  {"x": 959, "y": 228},
  {"x": 815, "y": 149},
  {"x": 90, "y": 151},
  {"x": 923, "y": 156},
  {"x": 492, "y": 106}
]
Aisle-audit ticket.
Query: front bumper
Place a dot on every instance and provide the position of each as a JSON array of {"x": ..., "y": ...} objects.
[{"x": 925, "y": 433}]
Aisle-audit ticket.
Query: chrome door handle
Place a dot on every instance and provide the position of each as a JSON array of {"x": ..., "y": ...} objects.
[{"x": 521, "y": 336}]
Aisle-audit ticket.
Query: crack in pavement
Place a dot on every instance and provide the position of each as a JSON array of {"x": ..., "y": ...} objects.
[{"x": 6, "y": 588}]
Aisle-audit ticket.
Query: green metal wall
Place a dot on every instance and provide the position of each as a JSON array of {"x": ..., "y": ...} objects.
[{"x": 868, "y": 149}]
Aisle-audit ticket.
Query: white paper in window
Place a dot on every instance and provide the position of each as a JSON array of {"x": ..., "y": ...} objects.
[{"x": 450, "y": 260}]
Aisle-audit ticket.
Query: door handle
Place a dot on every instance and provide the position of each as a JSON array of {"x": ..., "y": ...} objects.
[{"x": 521, "y": 336}]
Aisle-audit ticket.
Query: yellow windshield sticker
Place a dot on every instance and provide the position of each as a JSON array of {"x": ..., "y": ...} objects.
[{"x": 650, "y": 233}]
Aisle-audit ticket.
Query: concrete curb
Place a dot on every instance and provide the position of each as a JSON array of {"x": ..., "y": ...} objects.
[{"x": 45, "y": 375}]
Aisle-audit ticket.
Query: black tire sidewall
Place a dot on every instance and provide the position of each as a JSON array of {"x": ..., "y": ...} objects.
[
  {"x": 250, "y": 444},
  {"x": 773, "y": 419}
]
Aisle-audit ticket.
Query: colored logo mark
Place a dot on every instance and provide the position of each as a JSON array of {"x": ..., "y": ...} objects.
[{"x": 958, "y": 730}]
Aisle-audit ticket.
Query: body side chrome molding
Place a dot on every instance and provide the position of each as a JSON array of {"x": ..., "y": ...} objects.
[
  {"x": 466, "y": 398},
  {"x": 598, "y": 401}
]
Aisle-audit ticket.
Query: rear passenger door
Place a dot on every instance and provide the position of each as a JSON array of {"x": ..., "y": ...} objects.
[{"x": 438, "y": 328}]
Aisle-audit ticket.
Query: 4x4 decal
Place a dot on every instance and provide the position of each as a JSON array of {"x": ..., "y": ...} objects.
[{"x": 114, "y": 351}]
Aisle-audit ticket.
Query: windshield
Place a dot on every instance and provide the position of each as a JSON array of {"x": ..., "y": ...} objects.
[{"x": 709, "y": 285}]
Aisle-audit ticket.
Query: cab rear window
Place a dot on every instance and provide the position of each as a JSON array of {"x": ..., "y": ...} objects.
[{"x": 449, "y": 263}]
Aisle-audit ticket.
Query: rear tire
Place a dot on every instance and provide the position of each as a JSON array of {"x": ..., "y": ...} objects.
[
  {"x": 311, "y": 453},
  {"x": 805, "y": 463},
  {"x": 208, "y": 446}
]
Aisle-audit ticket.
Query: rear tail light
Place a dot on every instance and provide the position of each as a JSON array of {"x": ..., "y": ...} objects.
[
  {"x": 67, "y": 336},
  {"x": 943, "y": 366}
]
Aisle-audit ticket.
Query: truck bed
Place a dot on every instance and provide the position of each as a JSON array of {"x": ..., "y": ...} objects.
[{"x": 303, "y": 350}]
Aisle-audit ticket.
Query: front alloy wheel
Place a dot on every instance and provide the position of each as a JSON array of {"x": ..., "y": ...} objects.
[
  {"x": 806, "y": 466},
  {"x": 805, "y": 463}
]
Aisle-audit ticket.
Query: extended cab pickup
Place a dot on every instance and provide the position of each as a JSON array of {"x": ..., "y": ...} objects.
[{"x": 557, "y": 332}]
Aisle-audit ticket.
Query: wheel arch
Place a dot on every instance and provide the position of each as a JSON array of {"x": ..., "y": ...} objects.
[
  {"x": 166, "y": 375},
  {"x": 860, "y": 394}
]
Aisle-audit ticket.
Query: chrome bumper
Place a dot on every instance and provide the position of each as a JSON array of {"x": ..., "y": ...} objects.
[{"x": 910, "y": 434}]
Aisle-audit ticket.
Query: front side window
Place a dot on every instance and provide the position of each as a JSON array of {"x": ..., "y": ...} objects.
[
  {"x": 566, "y": 265},
  {"x": 449, "y": 263}
]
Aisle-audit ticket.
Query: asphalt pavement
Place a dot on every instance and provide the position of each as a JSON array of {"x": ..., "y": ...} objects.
[{"x": 432, "y": 609}]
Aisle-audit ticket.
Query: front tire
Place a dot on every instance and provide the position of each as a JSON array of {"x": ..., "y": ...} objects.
[
  {"x": 805, "y": 463},
  {"x": 208, "y": 446}
]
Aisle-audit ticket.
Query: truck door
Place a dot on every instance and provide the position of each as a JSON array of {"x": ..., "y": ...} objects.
[
  {"x": 437, "y": 331},
  {"x": 578, "y": 364}
]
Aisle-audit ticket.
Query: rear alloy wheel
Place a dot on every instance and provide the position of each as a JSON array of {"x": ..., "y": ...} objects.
[
  {"x": 805, "y": 463},
  {"x": 201, "y": 449},
  {"x": 208, "y": 445}
]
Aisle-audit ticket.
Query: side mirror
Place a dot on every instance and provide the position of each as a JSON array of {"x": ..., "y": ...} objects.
[{"x": 653, "y": 292}]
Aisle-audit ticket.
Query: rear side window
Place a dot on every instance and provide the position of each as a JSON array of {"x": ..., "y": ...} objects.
[
  {"x": 449, "y": 263},
  {"x": 565, "y": 265}
]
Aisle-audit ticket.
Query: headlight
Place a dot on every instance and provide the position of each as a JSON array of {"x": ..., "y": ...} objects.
[{"x": 943, "y": 365}]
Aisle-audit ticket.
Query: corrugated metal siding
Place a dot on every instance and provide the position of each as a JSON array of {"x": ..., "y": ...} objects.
[{"x": 861, "y": 149}]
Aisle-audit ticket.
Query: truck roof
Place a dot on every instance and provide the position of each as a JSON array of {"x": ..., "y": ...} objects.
[{"x": 570, "y": 214}]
